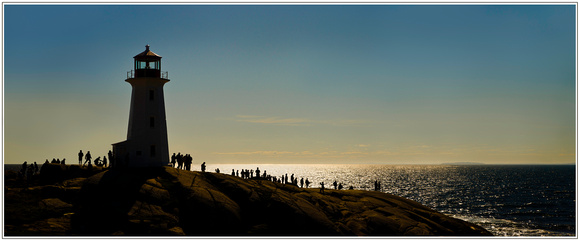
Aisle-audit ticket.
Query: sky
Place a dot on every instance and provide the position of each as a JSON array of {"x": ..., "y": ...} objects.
[{"x": 335, "y": 84}]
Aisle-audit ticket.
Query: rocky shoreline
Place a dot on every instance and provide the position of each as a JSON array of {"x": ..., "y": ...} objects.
[{"x": 71, "y": 200}]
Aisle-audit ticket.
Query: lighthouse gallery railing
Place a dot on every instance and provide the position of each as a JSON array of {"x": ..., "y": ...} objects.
[{"x": 131, "y": 74}]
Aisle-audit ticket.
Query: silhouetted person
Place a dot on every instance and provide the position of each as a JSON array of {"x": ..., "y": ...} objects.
[
  {"x": 190, "y": 161},
  {"x": 35, "y": 168},
  {"x": 62, "y": 162},
  {"x": 340, "y": 186},
  {"x": 173, "y": 160},
  {"x": 97, "y": 161},
  {"x": 88, "y": 157},
  {"x": 252, "y": 173},
  {"x": 301, "y": 182},
  {"x": 376, "y": 186},
  {"x": 286, "y": 178},
  {"x": 104, "y": 161},
  {"x": 233, "y": 172},
  {"x": 187, "y": 160},
  {"x": 257, "y": 172},
  {"x": 335, "y": 185},
  {"x": 23, "y": 169},
  {"x": 322, "y": 187},
  {"x": 217, "y": 170},
  {"x": 179, "y": 161},
  {"x": 203, "y": 167},
  {"x": 81, "y": 157},
  {"x": 307, "y": 183},
  {"x": 111, "y": 160},
  {"x": 237, "y": 173}
]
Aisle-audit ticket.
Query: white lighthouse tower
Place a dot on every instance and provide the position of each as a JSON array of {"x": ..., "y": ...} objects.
[{"x": 146, "y": 143}]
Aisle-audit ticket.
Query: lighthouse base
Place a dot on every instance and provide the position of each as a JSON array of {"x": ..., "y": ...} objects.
[{"x": 128, "y": 154}]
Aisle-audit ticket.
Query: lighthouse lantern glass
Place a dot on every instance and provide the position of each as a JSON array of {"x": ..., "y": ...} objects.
[{"x": 147, "y": 65}]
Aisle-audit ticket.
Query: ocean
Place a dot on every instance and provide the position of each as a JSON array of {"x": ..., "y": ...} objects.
[{"x": 507, "y": 200}]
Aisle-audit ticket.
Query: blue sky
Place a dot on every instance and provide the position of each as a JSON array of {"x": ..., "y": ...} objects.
[{"x": 392, "y": 84}]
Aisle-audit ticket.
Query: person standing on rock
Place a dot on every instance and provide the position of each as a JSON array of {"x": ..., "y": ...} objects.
[
  {"x": 104, "y": 161},
  {"x": 23, "y": 169},
  {"x": 322, "y": 187},
  {"x": 301, "y": 182},
  {"x": 88, "y": 157},
  {"x": 307, "y": 183},
  {"x": 111, "y": 163},
  {"x": 257, "y": 172},
  {"x": 81, "y": 157},
  {"x": 203, "y": 167},
  {"x": 187, "y": 162},
  {"x": 335, "y": 185},
  {"x": 173, "y": 161},
  {"x": 179, "y": 158}
]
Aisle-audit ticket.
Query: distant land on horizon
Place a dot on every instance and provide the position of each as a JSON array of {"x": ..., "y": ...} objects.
[
  {"x": 480, "y": 163},
  {"x": 463, "y": 163}
]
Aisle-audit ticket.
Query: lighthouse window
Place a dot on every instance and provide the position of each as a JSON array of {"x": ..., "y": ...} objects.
[
  {"x": 151, "y": 94},
  {"x": 152, "y": 150},
  {"x": 151, "y": 122}
]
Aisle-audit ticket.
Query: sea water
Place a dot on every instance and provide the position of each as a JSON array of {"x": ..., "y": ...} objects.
[{"x": 519, "y": 200}]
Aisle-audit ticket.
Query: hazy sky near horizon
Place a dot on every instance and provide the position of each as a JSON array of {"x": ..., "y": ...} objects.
[{"x": 385, "y": 84}]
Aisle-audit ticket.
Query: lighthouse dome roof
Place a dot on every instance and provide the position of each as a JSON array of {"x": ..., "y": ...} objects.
[{"x": 147, "y": 54}]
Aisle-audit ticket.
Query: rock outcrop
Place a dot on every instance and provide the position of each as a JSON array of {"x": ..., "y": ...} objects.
[{"x": 167, "y": 201}]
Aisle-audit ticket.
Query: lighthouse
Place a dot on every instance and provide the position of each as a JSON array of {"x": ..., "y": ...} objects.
[{"x": 146, "y": 143}]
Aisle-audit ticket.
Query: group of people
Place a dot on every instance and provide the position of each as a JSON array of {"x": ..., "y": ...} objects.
[
  {"x": 257, "y": 174},
  {"x": 57, "y": 161},
  {"x": 337, "y": 186},
  {"x": 27, "y": 171},
  {"x": 98, "y": 162},
  {"x": 248, "y": 174},
  {"x": 182, "y": 161}
]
